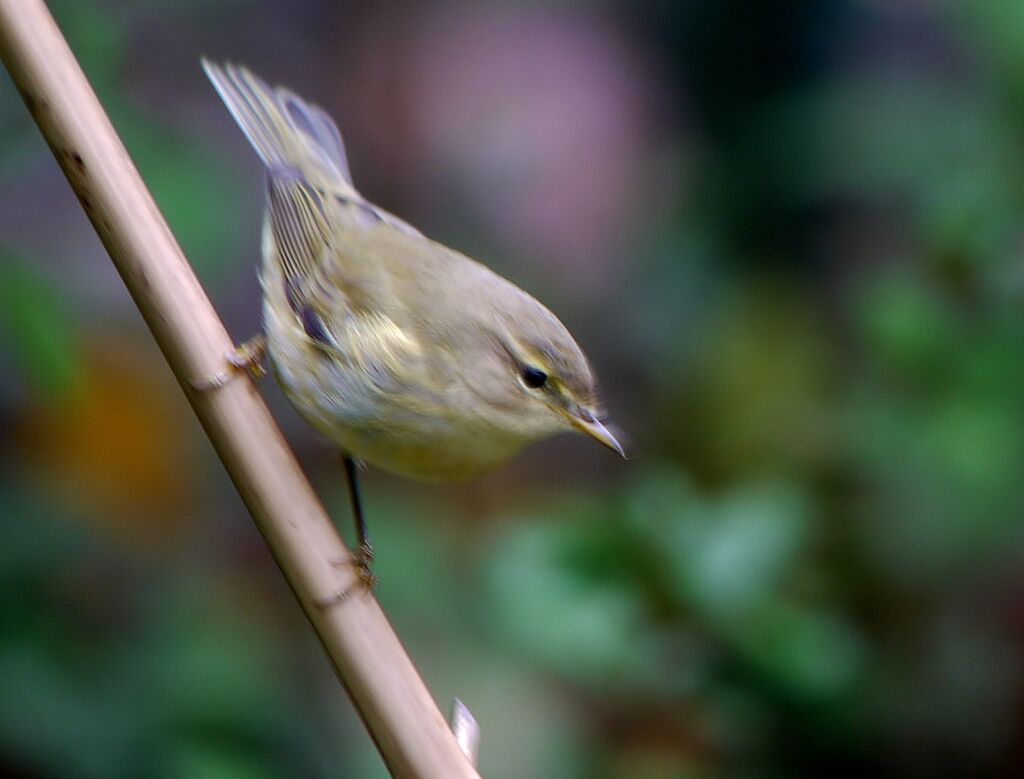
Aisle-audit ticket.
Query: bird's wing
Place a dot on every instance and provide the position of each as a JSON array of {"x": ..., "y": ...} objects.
[{"x": 311, "y": 200}]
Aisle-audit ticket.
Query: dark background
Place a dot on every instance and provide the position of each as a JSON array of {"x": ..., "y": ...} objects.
[{"x": 790, "y": 237}]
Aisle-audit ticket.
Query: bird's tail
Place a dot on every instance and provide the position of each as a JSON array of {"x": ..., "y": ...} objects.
[{"x": 285, "y": 130}]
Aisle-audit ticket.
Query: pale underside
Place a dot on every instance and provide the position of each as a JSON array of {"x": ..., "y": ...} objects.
[
  {"x": 403, "y": 352},
  {"x": 387, "y": 388}
]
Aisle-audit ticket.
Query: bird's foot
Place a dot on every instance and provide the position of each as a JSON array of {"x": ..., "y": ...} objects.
[
  {"x": 248, "y": 357},
  {"x": 361, "y": 560},
  {"x": 364, "y": 566}
]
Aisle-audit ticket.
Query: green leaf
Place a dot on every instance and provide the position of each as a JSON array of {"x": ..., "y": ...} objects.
[
  {"x": 810, "y": 654},
  {"x": 37, "y": 326}
]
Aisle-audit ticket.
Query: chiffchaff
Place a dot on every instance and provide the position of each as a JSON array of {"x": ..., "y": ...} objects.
[{"x": 406, "y": 354}]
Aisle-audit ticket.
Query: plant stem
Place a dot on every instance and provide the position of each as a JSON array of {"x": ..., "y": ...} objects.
[{"x": 392, "y": 700}]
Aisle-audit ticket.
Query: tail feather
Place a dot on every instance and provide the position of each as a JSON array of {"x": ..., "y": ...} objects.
[
  {"x": 285, "y": 130},
  {"x": 315, "y": 123},
  {"x": 310, "y": 196}
]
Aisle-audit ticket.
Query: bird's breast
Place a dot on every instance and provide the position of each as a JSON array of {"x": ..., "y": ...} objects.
[{"x": 368, "y": 399}]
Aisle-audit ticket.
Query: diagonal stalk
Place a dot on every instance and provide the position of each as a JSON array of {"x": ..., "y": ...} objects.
[{"x": 392, "y": 700}]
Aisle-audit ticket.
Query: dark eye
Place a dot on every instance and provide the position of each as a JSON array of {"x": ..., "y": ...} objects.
[{"x": 534, "y": 378}]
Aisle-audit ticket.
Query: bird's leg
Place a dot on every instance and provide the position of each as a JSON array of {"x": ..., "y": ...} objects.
[
  {"x": 248, "y": 357},
  {"x": 364, "y": 552},
  {"x": 363, "y": 555}
]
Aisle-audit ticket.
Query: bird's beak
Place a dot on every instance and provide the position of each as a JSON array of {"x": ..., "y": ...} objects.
[{"x": 591, "y": 425}]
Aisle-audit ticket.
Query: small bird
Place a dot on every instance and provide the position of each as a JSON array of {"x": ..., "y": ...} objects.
[{"x": 406, "y": 354}]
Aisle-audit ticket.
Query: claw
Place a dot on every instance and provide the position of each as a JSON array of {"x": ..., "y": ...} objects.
[
  {"x": 364, "y": 566},
  {"x": 365, "y": 581},
  {"x": 248, "y": 357}
]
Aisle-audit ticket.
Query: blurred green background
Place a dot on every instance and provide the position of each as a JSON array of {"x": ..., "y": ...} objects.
[{"x": 790, "y": 235}]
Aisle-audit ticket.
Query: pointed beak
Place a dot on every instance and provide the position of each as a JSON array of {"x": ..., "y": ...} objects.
[{"x": 591, "y": 425}]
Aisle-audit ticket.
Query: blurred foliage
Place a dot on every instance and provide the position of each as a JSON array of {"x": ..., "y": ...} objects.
[
  {"x": 38, "y": 330},
  {"x": 789, "y": 235}
]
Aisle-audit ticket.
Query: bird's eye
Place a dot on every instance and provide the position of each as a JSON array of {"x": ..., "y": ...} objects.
[{"x": 534, "y": 378}]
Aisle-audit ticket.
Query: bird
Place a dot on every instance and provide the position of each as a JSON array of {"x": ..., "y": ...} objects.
[{"x": 406, "y": 354}]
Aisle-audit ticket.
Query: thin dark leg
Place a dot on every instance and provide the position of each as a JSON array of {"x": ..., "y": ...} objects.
[{"x": 364, "y": 553}]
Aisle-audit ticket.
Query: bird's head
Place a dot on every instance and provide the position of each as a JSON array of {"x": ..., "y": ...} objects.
[{"x": 540, "y": 379}]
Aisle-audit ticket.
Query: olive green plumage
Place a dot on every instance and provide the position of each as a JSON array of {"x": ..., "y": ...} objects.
[{"x": 405, "y": 353}]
